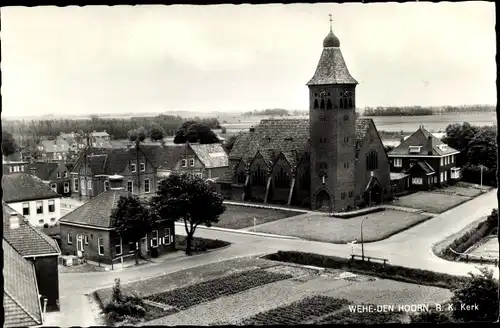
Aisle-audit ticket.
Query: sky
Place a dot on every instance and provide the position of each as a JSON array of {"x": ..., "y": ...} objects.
[{"x": 234, "y": 58}]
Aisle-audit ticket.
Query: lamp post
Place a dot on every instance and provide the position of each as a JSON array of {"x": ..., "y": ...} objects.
[
  {"x": 362, "y": 244},
  {"x": 482, "y": 167}
]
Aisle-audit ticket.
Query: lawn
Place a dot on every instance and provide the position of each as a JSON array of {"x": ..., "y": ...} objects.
[
  {"x": 260, "y": 292},
  {"x": 239, "y": 217},
  {"x": 320, "y": 227},
  {"x": 432, "y": 202},
  {"x": 488, "y": 249}
]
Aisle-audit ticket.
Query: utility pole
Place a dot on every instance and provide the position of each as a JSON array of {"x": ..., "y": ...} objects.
[
  {"x": 362, "y": 243},
  {"x": 138, "y": 166},
  {"x": 482, "y": 167}
]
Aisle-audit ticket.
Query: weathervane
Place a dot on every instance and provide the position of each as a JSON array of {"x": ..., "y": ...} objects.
[{"x": 330, "y": 21}]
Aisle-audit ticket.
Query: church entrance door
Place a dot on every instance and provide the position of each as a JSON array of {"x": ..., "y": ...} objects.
[{"x": 323, "y": 201}]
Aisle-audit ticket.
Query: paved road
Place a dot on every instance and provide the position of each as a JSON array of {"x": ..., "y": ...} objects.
[{"x": 411, "y": 248}]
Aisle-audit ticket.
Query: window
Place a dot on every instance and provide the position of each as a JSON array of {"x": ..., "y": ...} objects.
[
  {"x": 258, "y": 176},
  {"x": 130, "y": 186},
  {"x": 70, "y": 239},
  {"x": 316, "y": 105},
  {"x": 329, "y": 104},
  {"x": 131, "y": 247},
  {"x": 22, "y": 168},
  {"x": 86, "y": 239},
  {"x": 199, "y": 175},
  {"x": 455, "y": 173},
  {"x": 184, "y": 163},
  {"x": 10, "y": 169},
  {"x": 346, "y": 117},
  {"x": 100, "y": 245},
  {"x": 79, "y": 243},
  {"x": 453, "y": 158},
  {"x": 106, "y": 185},
  {"x": 442, "y": 161},
  {"x": 146, "y": 185},
  {"x": 154, "y": 238},
  {"x": 26, "y": 208},
  {"x": 39, "y": 207},
  {"x": 282, "y": 178},
  {"x": 75, "y": 184},
  {"x": 118, "y": 246},
  {"x": 66, "y": 187},
  {"x": 414, "y": 149},
  {"x": 351, "y": 194},
  {"x": 342, "y": 195},
  {"x": 89, "y": 184},
  {"x": 323, "y": 166},
  {"x": 371, "y": 161},
  {"x": 322, "y": 140},
  {"x": 52, "y": 206},
  {"x": 191, "y": 162},
  {"x": 41, "y": 221},
  {"x": 346, "y": 165},
  {"x": 322, "y": 104},
  {"x": 346, "y": 139},
  {"x": 143, "y": 167},
  {"x": 417, "y": 181},
  {"x": 398, "y": 162},
  {"x": 58, "y": 175},
  {"x": 241, "y": 178},
  {"x": 132, "y": 167},
  {"x": 65, "y": 174},
  {"x": 84, "y": 186},
  {"x": 53, "y": 186},
  {"x": 166, "y": 239},
  {"x": 435, "y": 179}
]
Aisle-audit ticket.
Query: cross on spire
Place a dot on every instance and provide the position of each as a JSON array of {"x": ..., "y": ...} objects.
[{"x": 330, "y": 21}]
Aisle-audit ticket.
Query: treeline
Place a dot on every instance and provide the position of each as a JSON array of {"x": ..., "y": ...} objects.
[
  {"x": 422, "y": 111},
  {"x": 117, "y": 128},
  {"x": 268, "y": 112}
]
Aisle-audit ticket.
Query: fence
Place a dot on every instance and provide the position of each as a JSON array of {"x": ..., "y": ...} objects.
[{"x": 475, "y": 258}]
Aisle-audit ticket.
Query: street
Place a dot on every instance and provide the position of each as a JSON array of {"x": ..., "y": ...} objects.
[{"x": 411, "y": 248}]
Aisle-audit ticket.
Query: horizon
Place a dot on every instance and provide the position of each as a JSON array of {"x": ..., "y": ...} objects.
[{"x": 146, "y": 59}]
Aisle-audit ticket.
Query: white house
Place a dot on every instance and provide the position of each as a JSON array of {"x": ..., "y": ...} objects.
[{"x": 31, "y": 197}]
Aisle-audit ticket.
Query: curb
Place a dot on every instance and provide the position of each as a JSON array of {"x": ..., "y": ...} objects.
[
  {"x": 244, "y": 232},
  {"x": 267, "y": 207}
]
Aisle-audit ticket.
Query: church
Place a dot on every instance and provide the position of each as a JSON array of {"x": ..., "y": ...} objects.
[{"x": 331, "y": 162}]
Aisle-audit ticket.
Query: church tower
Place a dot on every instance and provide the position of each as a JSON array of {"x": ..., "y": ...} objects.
[{"x": 332, "y": 124}]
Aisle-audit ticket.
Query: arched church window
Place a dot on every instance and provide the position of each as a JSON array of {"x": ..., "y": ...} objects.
[
  {"x": 322, "y": 104},
  {"x": 241, "y": 177},
  {"x": 329, "y": 104},
  {"x": 258, "y": 177},
  {"x": 372, "y": 161},
  {"x": 316, "y": 103}
]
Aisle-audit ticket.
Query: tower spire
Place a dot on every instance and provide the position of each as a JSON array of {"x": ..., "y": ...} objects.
[{"x": 330, "y": 22}]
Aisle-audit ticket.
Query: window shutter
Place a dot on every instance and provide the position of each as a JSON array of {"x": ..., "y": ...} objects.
[
  {"x": 171, "y": 238},
  {"x": 151, "y": 242},
  {"x": 160, "y": 241}
]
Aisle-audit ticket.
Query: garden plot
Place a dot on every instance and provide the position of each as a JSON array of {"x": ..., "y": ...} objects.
[
  {"x": 431, "y": 202},
  {"x": 320, "y": 227},
  {"x": 239, "y": 217},
  {"x": 189, "y": 296}
]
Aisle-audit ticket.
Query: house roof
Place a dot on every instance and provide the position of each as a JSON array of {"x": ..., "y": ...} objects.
[
  {"x": 100, "y": 134},
  {"x": 43, "y": 170},
  {"x": 228, "y": 175},
  {"x": 19, "y": 187},
  {"x": 166, "y": 157},
  {"x": 20, "y": 299},
  {"x": 27, "y": 240},
  {"x": 424, "y": 166},
  {"x": 211, "y": 155},
  {"x": 331, "y": 69},
  {"x": 56, "y": 145},
  {"x": 97, "y": 211},
  {"x": 430, "y": 145},
  {"x": 102, "y": 143}
]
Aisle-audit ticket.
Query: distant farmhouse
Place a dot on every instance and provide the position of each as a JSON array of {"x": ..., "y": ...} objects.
[
  {"x": 33, "y": 198},
  {"x": 330, "y": 162},
  {"x": 40, "y": 250},
  {"x": 425, "y": 160}
]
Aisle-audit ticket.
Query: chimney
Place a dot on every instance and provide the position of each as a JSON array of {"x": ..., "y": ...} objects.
[
  {"x": 14, "y": 221},
  {"x": 252, "y": 129},
  {"x": 116, "y": 182}
]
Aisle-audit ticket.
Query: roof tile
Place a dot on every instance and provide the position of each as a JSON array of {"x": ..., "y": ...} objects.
[
  {"x": 211, "y": 155},
  {"x": 331, "y": 69},
  {"x": 19, "y": 187},
  {"x": 430, "y": 145}
]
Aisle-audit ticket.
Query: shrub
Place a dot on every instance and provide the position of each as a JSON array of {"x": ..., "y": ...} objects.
[
  {"x": 123, "y": 307},
  {"x": 200, "y": 244},
  {"x": 46, "y": 225},
  {"x": 433, "y": 316}
]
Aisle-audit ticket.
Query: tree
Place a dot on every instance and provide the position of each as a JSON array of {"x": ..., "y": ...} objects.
[
  {"x": 481, "y": 291},
  {"x": 157, "y": 133},
  {"x": 193, "y": 131},
  {"x": 459, "y": 136},
  {"x": 132, "y": 220},
  {"x": 9, "y": 146},
  {"x": 137, "y": 136},
  {"x": 481, "y": 149},
  {"x": 187, "y": 198}
]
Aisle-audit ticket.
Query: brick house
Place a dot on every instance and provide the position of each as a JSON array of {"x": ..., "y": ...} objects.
[
  {"x": 55, "y": 174},
  {"x": 54, "y": 149},
  {"x": 21, "y": 300},
  {"x": 88, "y": 230},
  {"x": 91, "y": 172},
  {"x": 33, "y": 198},
  {"x": 206, "y": 161},
  {"x": 427, "y": 160},
  {"x": 37, "y": 248},
  {"x": 332, "y": 161}
]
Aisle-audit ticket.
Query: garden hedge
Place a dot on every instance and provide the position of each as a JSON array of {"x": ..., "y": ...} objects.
[
  {"x": 417, "y": 276},
  {"x": 200, "y": 244}
]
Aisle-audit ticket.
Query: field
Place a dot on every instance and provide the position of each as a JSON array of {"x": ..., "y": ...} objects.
[
  {"x": 239, "y": 217},
  {"x": 432, "y": 202},
  {"x": 321, "y": 227},
  {"x": 488, "y": 249},
  {"x": 254, "y": 291}
]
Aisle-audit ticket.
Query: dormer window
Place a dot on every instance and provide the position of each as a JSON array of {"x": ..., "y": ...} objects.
[
  {"x": 132, "y": 167},
  {"x": 415, "y": 149},
  {"x": 443, "y": 147},
  {"x": 143, "y": 167}
]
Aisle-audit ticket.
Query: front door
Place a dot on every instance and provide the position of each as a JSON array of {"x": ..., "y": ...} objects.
[
  {"x": 323, "y": 201},
  {"x": 79, "y": 243}
]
